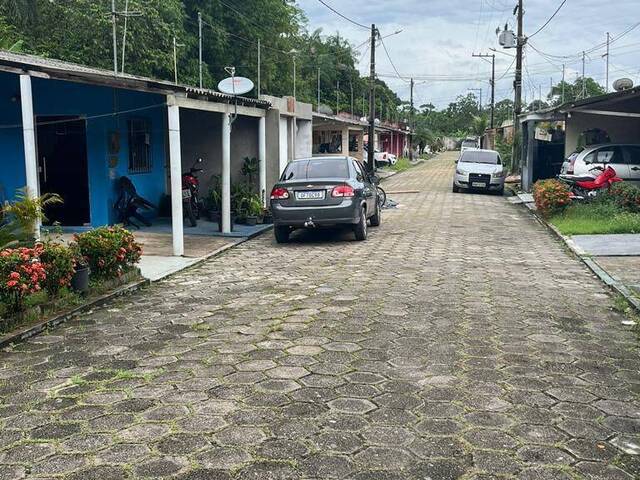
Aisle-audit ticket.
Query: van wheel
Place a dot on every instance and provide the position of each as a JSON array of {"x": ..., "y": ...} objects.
[
  {"x": 376, "y": 218},
  {"x": 360, "y": 229},
  {"x": 282, "y": 234}
]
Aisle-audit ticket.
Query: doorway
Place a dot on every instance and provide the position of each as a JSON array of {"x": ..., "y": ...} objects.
[{"x": 63, "y": 168}]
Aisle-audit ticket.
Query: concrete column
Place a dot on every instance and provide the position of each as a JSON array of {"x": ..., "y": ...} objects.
[
  {"x": 345, "y": 141},
  {"x": 175, "y": 169},
  {"x": 294, "y": 139},
  {"x": 29, "y": 135},
  {"x": 262, "y": 158},
  {"x": 226, "y": 173}
]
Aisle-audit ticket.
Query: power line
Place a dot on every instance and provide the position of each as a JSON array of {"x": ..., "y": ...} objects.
[
  {"x": 391, "y": 61},
  {"x": 343, "y": 16},
  {"x": 549, "y": 21}
]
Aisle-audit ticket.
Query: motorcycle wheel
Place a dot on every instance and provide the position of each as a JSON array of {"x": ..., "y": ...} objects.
[{"x": 190, "y": 214}]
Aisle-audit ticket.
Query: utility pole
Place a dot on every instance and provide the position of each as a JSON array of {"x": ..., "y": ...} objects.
[
  {"x": 563, "y": 76},
  {"x": 124, "y": 34},
  {"x": 114, "y": 19},
  {"x": 175, "y": 59},
  {"x": 372, "y": 100},
  {"x": 351, "y": 87},
  {"x": 607, "y": 55},
  {"x": 318, "y": 107},
  {"x": 337, "y": 97},
  {"x": 517, "y": 104},
  {"x": 200, "y": 50},
  {"x": 582, "y": 95},
  {"x": 259, "y": 68},
  {"x": 493, "y": 85},
  {"x": 411, "y": 123}
]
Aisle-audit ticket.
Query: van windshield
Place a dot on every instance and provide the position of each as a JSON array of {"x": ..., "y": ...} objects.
[
  {"x": 316, "y": 168},
  {"x": 489, "y": 158}
]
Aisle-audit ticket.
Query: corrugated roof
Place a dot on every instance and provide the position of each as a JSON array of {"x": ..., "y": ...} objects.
[{"x": 81, "y": 73}]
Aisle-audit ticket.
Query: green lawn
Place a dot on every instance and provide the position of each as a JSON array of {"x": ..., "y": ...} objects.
[
  {"x": 401, "y": 165},
  {"x": 596, "y": 218}
]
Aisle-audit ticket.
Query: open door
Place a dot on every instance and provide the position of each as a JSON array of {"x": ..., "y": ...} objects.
[{"x": 62, "y": 158}]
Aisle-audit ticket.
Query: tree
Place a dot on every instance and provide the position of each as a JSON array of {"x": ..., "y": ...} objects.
[
  {"x": 574, "y": 91},
  {"x": 503, "y": 111},
  {"x": 479, "y": 125},
  {"x": 537, "y": 105}
]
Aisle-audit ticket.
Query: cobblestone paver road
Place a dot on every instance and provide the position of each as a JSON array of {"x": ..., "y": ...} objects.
[{"x": 460, "y": 341}]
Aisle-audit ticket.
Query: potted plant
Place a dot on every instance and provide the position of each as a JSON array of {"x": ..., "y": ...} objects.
[
  {"x": 250, "y": 169},
  {"x": 80, "y": 278},
  {"x": 254, "y": 209}
]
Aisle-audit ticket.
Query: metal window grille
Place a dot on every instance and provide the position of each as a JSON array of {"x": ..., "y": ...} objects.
[{"x": 140, "y": 145}]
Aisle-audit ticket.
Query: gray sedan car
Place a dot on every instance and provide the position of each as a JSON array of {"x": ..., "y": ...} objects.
[{"x": 324, "y": 191}]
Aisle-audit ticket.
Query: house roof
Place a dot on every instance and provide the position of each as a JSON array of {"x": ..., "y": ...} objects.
[
  {"x": 338, "y": 119},
  {"x": 61, "y": 70},
  {"x": 609, "y": 101}
]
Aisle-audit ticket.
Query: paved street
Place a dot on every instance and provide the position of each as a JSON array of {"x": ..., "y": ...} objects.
[{"x": 459, "y": 341}]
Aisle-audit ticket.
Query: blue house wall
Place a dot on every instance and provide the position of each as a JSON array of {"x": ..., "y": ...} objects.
[{"x": 55, "y": 97}]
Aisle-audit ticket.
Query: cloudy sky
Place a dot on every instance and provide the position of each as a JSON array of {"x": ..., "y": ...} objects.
[{"x": 439, "y": 36}]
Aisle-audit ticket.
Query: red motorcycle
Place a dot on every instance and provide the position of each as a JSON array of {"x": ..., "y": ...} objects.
[
  {"x": 589, "y": 187},
  {"x": 191, "y": 203}
]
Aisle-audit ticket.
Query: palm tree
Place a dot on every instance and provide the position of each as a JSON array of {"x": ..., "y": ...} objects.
[{"x": 479, "y": 125}]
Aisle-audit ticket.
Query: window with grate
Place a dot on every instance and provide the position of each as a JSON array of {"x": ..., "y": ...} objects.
[{"x": 140, "y": 145}]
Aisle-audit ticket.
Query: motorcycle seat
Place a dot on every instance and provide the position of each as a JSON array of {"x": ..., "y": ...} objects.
[{"x": 575, "y": 178}]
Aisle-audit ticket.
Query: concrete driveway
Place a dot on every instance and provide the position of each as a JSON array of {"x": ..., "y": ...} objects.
[{"x": 459, "y": 341}]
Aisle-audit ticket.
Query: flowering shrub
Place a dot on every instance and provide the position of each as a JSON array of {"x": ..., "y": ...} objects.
[
  {"x": 21, "y": 274},
  {"x": 59, "y": 265},
  {"x": 109, "y": 251},
  {"x": 551, "y": 196},
  {"x": 625, "y": 195}
]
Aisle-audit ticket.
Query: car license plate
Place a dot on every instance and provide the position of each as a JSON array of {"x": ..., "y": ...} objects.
[
  {"x": 186, "y": 194},
  {"x": 479, "y": 184},
  {"x": 311, "y": 195}
]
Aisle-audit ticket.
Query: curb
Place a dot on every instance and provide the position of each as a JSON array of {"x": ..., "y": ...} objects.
[
  {"x": 592, "y": 264},
  {"x": 24, "y": 333}
]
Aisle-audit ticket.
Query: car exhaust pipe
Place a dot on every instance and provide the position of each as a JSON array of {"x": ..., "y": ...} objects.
[{"x": 309, "y": 223}]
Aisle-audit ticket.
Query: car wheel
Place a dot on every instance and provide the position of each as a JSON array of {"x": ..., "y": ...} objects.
[
  {"x": 360, "y": 229},
  {"x": 377, "y": 217},
  {"x": 282, "y": 234},
  {"x": 455, "y": 189},
  {"x": 500, "y": 192}
]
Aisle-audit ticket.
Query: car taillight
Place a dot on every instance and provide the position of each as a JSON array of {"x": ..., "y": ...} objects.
[
  {"x": 343, "y": 191},
  {"x": 279, "y": 193}
]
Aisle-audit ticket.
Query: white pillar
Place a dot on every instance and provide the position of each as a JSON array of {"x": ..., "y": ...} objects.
[
  {"x": 29, "y": 135},
  {"x": 345, "y": 141},
  {"x": 175, "y": 169},
  {"x": 262, "y": 158},
  {"x": 226, "y": 173}
]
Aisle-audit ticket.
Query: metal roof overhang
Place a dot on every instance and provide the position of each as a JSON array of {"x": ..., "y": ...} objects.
[{"x": 59, "y": 70}]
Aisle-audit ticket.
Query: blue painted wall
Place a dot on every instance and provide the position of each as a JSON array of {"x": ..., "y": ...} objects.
[
  {"x": 53, "y": 97},
  {"x": 12, "y": 174}
]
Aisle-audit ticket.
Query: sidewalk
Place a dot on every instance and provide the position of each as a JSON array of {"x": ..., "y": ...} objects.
[{"x": 615, "y": 259}]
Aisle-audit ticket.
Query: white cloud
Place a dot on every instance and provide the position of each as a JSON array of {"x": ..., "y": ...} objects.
[{"x": 439, "y": 37}]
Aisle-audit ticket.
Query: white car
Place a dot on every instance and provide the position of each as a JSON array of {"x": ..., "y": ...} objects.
[
  {"x": 479, "y": 170},
  {"x": 467, "y": 144},
  {"x": 384, "y": 157},
  {"x": 623, "y": 158}
]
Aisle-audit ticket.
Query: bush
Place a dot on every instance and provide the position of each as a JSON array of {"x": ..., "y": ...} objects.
[
  {"x": 109, "y": 251},
  {"x": 21, "y": 274},
  {"x": 551, "y": 196},
  {"x": 625, "y": 195},
  {"x": 59, "y": 264}
]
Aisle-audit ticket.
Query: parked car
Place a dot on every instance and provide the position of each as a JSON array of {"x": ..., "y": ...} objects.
[
  {"x": 479, "y": 170},
  {"x": 324, "y": 191},
  {"x": 623, "y": 158},
  {"x": 468, "y": 143},
  {"x": 383, "y": 158}
]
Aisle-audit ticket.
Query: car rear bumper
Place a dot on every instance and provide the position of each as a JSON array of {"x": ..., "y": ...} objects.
[{"x": 347, "y": 212}]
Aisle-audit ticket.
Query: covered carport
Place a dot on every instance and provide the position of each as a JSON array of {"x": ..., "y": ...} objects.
[{"x": 611, "y": 118}]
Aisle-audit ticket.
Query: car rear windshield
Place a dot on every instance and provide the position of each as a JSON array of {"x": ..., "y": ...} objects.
[
  {"x": 469, "y": 143},
  {"x": 316, "y": 168},
  {"x": 490, "y": 158}
]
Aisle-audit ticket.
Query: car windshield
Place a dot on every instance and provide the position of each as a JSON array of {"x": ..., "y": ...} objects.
[
  {"x": 316, "y": 168},
  {"x": 490, "y": 158}
]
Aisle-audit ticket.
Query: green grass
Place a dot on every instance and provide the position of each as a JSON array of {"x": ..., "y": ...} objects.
[
  {"x": 401, "y": 165},
  {"x": 596, "y": 218}
]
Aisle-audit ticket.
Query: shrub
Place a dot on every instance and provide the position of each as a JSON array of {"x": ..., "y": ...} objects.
[
  {"x": 625, "y": 195},
  {"x": 551, "y": 196},
  {"x": 109, "y": 251},
  {"x": 59, "y": 264},
  {"x": 21, "y": 274}
]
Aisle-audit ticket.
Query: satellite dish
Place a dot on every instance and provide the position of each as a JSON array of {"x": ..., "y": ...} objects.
[
  {"x": 235, "y": 86},
  {"x": 622, "y": 84}
]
